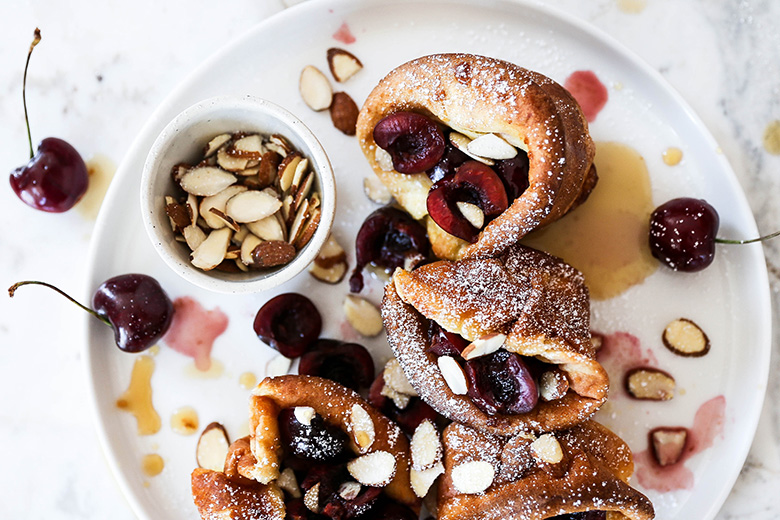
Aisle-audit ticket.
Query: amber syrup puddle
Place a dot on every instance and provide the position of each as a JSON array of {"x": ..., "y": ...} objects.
[
  {"x": 247, "y": 380},
  {"x": 184, "y": 421},
  {"x": 606, "y": 237},
  {"x": 101, "y": 171},
  {"x": 152, "y": 465},
  {"x": 672, "y": 156},
  {"x": 137, "y": 399}
]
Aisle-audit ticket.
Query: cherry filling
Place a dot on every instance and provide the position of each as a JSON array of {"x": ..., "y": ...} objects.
[
  {"x": 415, "y": 142},
  {"x": 448, "y": 163},
  {"x": 585, "y": 515},
  {"x": 349, "y": 364},
  {"x": 388, "y": 238},
  {"x": 444, "y": 343},
  {"x": 501, "y": 383},
  {"x": 288, "y": 323},
  {"x": 317, "y": 454},
  {"x": 409, "y": 417}
]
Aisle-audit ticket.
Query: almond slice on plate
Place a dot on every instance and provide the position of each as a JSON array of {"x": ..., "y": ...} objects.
[
  {"x": 683, "y": 337},
  {"x": 251, "y": 205},
  {"x": 375, "y": 469},
  {"x": 668, "y": 444},
  {"x": 425, "y": 446},
  {"x": 332, "y": 275},
  {"x": 649, "y": 384},
  {"x": 343, "y": 64},
  {"x": 362, "y": 427},
  {"x": 483, "y": 346},
  {"x": 315, "y": 88},
  {"x": 422, "y": 480},
  {"x": 212, "y": 251},
  {"x": 205, "y": 181},
  {"x": 344, "y": 113},
  {"x": 453, "y": 375},
  {"x": 363, "y": 316},
  {"x": 376, "y": 191},
  {"x": 212, "y": 448},
  {"x": 473, "y": 477},
  {"x": 394, "y": 377}
]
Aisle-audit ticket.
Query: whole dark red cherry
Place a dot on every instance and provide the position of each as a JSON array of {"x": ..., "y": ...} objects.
[
  {"x": 475, "y": 183},
  {"x": 288, "y": 323},
  {"x": 388, "y": 238},
  {"x": 56, "y": 177},
  {"x": 349, "y": 364},
  {"x": 501, "y": 383},
  {"x": 414, "y": 141},
  {"x": 683, "y": 233},
  {"x": 444, "y": 343},
  {"x": 134, "y": 305},
  {"x": 449, "y": 162},
  {"x": 317, "y": 441}
]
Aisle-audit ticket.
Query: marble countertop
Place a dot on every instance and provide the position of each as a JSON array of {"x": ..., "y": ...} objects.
[{"x": 101, "y": 70}]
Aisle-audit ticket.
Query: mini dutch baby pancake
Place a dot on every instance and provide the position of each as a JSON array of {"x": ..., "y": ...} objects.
[
  {"x": 315, "y": 448},
  {"x": 578, "y": 474},
  {"x": 500, "y": 344},
  {"x": 482, "y": 150}
]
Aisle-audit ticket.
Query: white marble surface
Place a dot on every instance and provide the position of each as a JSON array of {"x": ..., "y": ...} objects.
[{"x": 102, "y": 69}]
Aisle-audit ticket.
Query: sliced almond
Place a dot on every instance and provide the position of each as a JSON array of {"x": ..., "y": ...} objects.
[
  {"x": 344, "y": 113},
  {"x": 302, "y": 191},
  {"x": 215, "y": 144},
  {"x": 194, "y": 236},
  {"x": 491, "y": 146},
  {"x": 268, "y": 228},
  {"x": 212, "y": 448},
  {"x": 685, "y": 338},
  {"x": 343, "y": 64},
  {"x": 483, "y": 346},
  {"x": 307, "y": 232},
  {"x": 649, "y": 384},
  {"x": 286, "y": 170},
  {"x": 240, "y": 235},
  {"x": 272, "y": 253},
  {"x": 281, "y": 143},
  {"x": 596, "y": 341},
  {"x": 472, "y": 213},
  {"x": 241, "y": 265},
  {"x": 422, "y": 480},
  {"x": 668, "y": 444},
  {"x": 288, "y": 483},
  {"x": 287, "y": 213},
  {"x": 192, "y": 208},
  {"x": 300, "y": 219},
  {"x": 453, "y": 375},
  {"x": 331, "y": 253},
  {"x": 473, "y": 477},
  {"x": 304, "y": 414},
  {"x": 205, "y": 181},
  {"x": 228, "y": 221},
  {"x": 249, "y": 147},
  {"x": 311, "y": 499},
  {"x": 233, "y": 252},
  {"x": 178, "y": 214},
  {"x": 247, "y": 246},
  {"x": 376, "y": 191},
  {"x": 212, "y": 251},
  {"x": 362, "y": 427},
  {"x": 268, "y": 168},
  {"x": 394, "y": 377},
  {"x": 218, "y": 201},
  {"x": 333, "y": 274},
  {"x": 363, "y": 316},
  {"x": 401, "y": 401},
  {"x": 553, "y": 384},
  {"x": 278, "y": 365},
  {"x": 383, "y": 159},
  {"x": 315, "y": 88},
  {"x": 425, "y": 446},
  {"x": 300, "y": 171},
  {"x": 546, "y": 449},
  {"x": 178, "y": 171},
  {"x": 461, "y": 142},
  {"x": 250, "y": 171},
  {"x": 251, "y": 205},
  {"x": 375, "y": 469},
  {"x": 349, "y": 490},
  {"x": 229, "y": 162}
]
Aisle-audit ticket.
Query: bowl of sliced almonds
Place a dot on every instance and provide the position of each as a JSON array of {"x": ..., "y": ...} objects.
[{"x": 237, "y": 195}]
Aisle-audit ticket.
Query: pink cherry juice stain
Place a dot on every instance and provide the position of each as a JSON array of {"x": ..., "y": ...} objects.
[
  {"x": 707, "y": 425},
  {"x": 589, "y": 92},
  {"x": 620, "y": 352},
  {"x": 194, "y": 329},
  {"x": 344, "y": 34}
]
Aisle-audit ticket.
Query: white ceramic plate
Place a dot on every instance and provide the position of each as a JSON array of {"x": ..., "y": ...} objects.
[{"x": 729, "y": 300}]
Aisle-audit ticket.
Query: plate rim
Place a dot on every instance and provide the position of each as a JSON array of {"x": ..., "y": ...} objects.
[{"x": 755, "y": 250}]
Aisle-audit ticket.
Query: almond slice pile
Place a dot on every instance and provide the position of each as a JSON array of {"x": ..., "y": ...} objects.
[{"x": 250, "y": 203}]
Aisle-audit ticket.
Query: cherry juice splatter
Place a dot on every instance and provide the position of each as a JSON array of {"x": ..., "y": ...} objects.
[
  {"x": 707, "y": 425},
  {"x": 344, "y": 34},
  {"x": 589, "y": 92},
  {"x": 194, "y": 329},
  {"x": 620, "y": 352}
]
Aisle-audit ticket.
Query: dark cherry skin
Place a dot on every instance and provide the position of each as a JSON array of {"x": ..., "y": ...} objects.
[
  {"x": 501, "y": 383},
  {"x": 585, "y": 515},
  {"x": 514, "y": 173},
  {"x": 449, "y": 162},
  {"x": 443, "y": 343},
  {"x": 410, "y": 417},
  {"x": 387, "y": 238},
  {"x": 289, "y": 323},
  {"x": 319, "y": 441},
  {"x": 473, "y": 182},
  {"x": 683, "y": 233},
  {"x": 134, "y": 305},
  {"x": 414, "y": 141},
  {"x": 349, "y": 364},
  {"x": 387, "y": 509},
  {"x": 55, "y": 178},
  {"x": 337, "y": 508}
]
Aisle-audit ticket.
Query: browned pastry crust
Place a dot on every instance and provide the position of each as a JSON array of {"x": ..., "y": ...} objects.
[
  {"x": 219, "y": 497},
  {"x": 537, "y": 300},
  {"x": 592, "y": 476},
  {"x": 478, "y": 95},
  {"x": 333, "y": 402}
]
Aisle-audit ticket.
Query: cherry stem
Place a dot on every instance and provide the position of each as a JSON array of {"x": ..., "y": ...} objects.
[
  {"x": 750, "y": 241},
  {"x": 36, "y": 39},
  {"x": 14, "y": 287}
]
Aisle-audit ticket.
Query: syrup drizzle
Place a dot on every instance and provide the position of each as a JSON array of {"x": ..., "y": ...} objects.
[
  {"x": 184, "y": 421},
  {"x": 137, "y": 399},
  {"x": 194, "y": 330},
  {"x": 707, "y": 426},
  {"x": 152, "y": 464},
  {"x": 100, "y": 170},
  {"x": 589, "y": 92}
]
